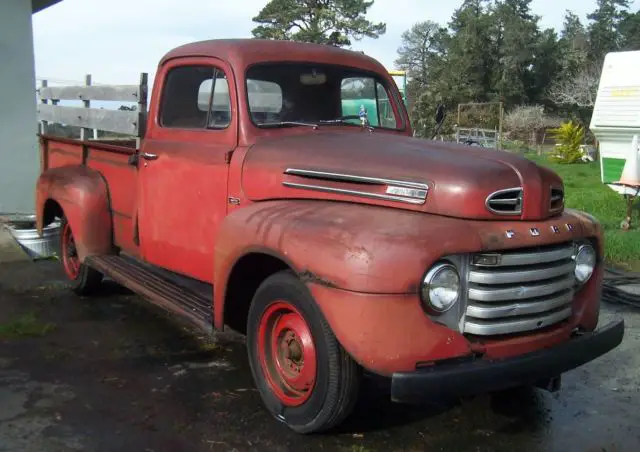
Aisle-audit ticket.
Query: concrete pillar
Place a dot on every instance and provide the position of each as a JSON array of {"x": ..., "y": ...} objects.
[{"x": 19, "y": 160}]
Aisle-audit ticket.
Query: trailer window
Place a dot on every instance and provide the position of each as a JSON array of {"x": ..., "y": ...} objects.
[{"x": 195, "y": 97}]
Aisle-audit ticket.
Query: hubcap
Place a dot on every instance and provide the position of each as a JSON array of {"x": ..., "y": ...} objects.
[
  {"x": 287, "y": 353},
  {"x": 70, "y": 259}
]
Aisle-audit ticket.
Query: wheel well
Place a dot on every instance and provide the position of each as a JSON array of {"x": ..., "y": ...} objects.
[
  {"x": 245, "y": 278},
  {"x": 51, "y": 210}
]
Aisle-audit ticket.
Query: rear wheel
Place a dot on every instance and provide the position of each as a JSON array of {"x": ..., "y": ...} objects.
[
  {"x": 83, "y": 278},
  {"x": 304, "y": 376}
]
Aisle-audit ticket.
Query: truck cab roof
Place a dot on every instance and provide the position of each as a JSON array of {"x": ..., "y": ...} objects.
[{"x": 246, "y": 52}]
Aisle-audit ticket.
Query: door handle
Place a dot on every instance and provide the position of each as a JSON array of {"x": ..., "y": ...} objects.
[{"x": 147, "y": 156}]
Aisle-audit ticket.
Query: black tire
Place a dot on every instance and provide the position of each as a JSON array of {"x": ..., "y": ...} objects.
[
  {"x": 84, "y": 280},
  {"x": 337, "y": 377}
]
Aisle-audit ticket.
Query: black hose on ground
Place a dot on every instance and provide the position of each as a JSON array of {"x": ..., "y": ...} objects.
[{"x": 611, "y": 292}]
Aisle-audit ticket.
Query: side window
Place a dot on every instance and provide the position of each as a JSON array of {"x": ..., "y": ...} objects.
[
  {"x": 365, "y": 93},
  {"x": 195, "y": 97}
]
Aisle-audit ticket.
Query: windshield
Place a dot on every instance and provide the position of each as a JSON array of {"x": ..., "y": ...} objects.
[{"x": 297, "y": 93}]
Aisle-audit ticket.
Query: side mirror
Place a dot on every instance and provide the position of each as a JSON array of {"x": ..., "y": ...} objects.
[{"x": 440, "y": 114}]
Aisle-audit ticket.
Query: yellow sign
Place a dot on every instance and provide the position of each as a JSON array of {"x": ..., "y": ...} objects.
[{"x": 624, "y": 92}]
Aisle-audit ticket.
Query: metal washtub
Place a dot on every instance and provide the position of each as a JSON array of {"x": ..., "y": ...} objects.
[{"x": 36, "y": 247}]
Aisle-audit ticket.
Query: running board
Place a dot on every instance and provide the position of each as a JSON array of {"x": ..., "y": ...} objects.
[{"x": 160, "y": 291}]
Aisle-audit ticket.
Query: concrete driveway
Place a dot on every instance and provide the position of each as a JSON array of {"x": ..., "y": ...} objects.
[{"x": 106, "y": 373}]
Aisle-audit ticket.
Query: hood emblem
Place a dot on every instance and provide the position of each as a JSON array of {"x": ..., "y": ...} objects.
[
  {"x": 395, "y": 190},
  {"x": 535, "y": 232},
  {"x": 510, "y": 234}
]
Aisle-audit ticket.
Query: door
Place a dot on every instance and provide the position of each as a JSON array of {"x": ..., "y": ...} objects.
[{"x": 183, "y": 170}]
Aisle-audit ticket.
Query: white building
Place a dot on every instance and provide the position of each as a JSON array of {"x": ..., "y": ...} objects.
[{"x": 19, "y": 159}]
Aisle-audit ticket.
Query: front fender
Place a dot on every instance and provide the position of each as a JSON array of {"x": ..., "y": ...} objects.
[
  {"x": 358, "y": 248},
  {"x": 83, "y": 196}
]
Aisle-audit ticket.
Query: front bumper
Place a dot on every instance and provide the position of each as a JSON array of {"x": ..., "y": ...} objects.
[{"x": 481, "y": 375}]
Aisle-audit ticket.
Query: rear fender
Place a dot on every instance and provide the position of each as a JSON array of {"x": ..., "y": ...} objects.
[{"x": 84, "y": 198}]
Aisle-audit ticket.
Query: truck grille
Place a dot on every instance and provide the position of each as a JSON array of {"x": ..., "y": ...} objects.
[{"x": 518, "y": 291}]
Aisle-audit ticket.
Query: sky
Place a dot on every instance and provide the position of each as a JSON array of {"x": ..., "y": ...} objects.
[{"x": 116, "y": 40}]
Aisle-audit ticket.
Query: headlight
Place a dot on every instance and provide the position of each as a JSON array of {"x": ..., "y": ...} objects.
[
  {"x": 441, "y": 288},
  {"x": 585, "y": 263}
]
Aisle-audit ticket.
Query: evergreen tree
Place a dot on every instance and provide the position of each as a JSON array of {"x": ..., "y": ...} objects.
[
  {"x": 604, "y": 31},
  {"x": 332, "y": 22}
]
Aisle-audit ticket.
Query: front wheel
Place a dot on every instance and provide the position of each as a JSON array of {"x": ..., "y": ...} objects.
[
  {"x": 304, "y": 376},
  {"x": 83, "y": 279}
]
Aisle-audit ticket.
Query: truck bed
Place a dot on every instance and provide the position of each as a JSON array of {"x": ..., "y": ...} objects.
[{"x": 110, "y": 158}]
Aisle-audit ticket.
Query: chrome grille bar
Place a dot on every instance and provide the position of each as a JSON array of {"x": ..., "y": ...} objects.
[
  {"x": 530, "y": 258},
  {"x": 520, "y": 291},
  {"x": 518, "y": 276},
  {"x": 493, "y": 311}
]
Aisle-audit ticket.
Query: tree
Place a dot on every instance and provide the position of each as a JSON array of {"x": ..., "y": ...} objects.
[
  {"x": 528, "y": 122},
  {"x": 630, "y": 31},
  {"x": 577, "y": 90},
  {"x": 423, "y": 54},
  {"x": 517, "y": 39},
  {"x": 469, "y": 56},
  {"x": 574, "y": 45},
  {"x": 332, "y": 22},
  {"x": 422, "y": 47},
  {"x": 604, "y": 33}
]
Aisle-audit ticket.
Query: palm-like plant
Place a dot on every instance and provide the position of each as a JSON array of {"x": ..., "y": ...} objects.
[{"x": 569, "y": 136}]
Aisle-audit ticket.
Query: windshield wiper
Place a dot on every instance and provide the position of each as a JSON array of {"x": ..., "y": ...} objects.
[
  {"x": 289, "y": 123},
  {"x": 344, "y": 121}
]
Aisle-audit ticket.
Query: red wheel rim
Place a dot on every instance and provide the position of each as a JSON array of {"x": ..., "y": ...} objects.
[
  {"x": 70, "y": 259},
  {"x": 287, "y": 353}
]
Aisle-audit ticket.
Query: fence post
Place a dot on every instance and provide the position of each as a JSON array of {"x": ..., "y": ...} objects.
[
  {"x": 142, "y": 108},
  {"x": 43, "y": 124},
  {"x": 87, "y": 104}
]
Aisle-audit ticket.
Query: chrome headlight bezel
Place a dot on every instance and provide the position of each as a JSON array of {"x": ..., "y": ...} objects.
[
  {"x": 586, "y": 257},
  {"x": 429, "y": 285}
]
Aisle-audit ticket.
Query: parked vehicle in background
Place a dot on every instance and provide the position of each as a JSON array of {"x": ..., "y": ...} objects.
[{"x": 335, "y": 241}]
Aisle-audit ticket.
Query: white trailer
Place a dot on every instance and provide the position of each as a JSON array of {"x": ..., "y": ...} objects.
[{"x": 616, "y": 115}]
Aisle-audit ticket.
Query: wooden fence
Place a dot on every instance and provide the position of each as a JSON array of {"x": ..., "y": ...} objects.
[{"x": 90, "y": 119}]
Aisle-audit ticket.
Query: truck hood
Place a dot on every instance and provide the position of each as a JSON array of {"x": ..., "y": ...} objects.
[{"x": 401, "y": 172}]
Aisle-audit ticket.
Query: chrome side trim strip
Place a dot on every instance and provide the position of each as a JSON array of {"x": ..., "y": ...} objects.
[
  {"x": 353, "y": 178},
  {"x": 491, "y": 327},
  {"x": 364, "y": 194},
  {"x": 533, "y": 258},
  {"x": 519, "y": 308},
  {"x": 520, "y": 292},
  {"x": 526, "y": 275}
]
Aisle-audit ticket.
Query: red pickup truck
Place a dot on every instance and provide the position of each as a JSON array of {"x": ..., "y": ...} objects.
[{"x": 338, "y": 243}]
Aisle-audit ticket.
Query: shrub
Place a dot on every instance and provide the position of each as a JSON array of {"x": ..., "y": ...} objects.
[
  {"x": 570, "y": 136},
  {"x": 525, "y": 122}
]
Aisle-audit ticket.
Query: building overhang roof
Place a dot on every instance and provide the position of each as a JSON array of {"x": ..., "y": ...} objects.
[{"x": 39, "y": 5}]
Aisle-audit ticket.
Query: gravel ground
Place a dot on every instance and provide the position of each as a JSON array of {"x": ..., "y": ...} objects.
[{"x": 106, "y": 373}]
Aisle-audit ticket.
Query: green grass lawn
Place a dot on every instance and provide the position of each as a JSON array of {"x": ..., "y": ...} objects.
[{"x": 584, "y": 191}]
